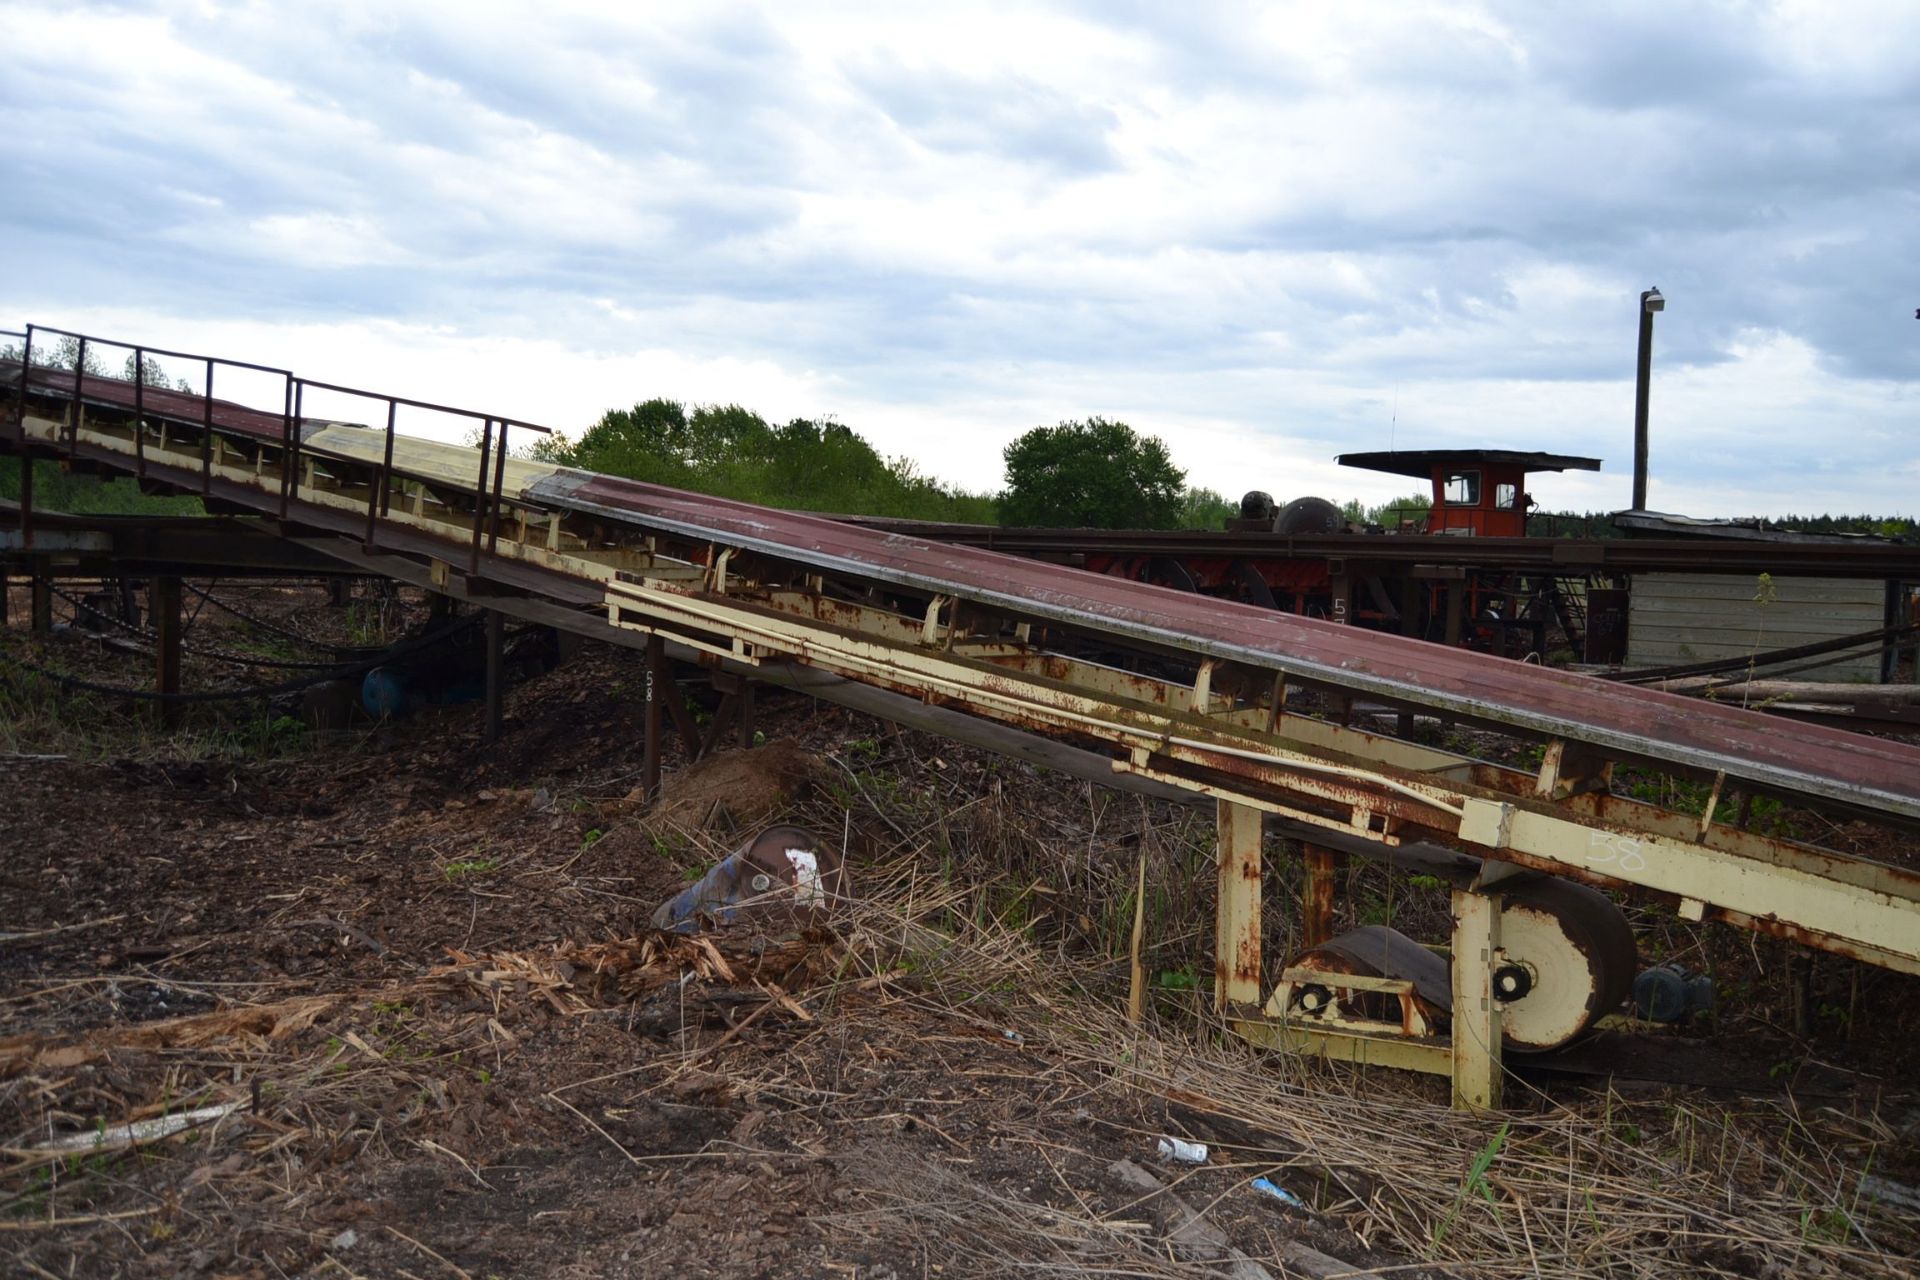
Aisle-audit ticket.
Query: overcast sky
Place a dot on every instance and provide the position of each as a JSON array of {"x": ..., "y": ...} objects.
[{"x": 1268, "y": 233}]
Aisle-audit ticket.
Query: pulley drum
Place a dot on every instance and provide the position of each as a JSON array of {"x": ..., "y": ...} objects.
[{"x": 1566, "y": 960}]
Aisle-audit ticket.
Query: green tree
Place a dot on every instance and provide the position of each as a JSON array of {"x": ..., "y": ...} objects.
[
  {"x": 1413, "y": 506},
  {"x": 149, "y": 371},
  {"x": 64, "y": 354},
  {"x": 805, "y": 465},
  {"x": 647, "y": 442},
  {"x": 1205, "y": 509},
  {"x": 1094, "y": 474}
]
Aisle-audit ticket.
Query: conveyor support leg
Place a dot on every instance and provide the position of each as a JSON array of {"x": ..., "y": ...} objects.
[
  {"x": 496, "y": 675},
  {"x": 656, "y": 708},
  {"x": 1476, "y": 1015},
  {"x": 1316, "y": 896},
  {"x": 163, "y": 608},
  {"x": 1236, "y": 953},
  {"x": 41, "y": 611}
]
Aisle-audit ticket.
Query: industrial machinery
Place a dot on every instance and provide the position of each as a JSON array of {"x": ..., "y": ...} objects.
[{"x": 1171, "y": 692}]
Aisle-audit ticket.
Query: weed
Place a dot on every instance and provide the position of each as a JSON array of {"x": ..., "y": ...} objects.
[
  {"x": 1826, "y": 1226},
  {"x": 1475, "y": 1183},
  {"x": 455, "y": 871},
  {"x": 1177, "y": 980}
]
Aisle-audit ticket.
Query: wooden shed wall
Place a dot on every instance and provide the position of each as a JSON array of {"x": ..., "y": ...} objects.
[{"x": 1680, "y": 618}]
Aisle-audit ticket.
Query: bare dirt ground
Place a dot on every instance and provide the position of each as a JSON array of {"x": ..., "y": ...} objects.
[{"x": 405, "y": 979}]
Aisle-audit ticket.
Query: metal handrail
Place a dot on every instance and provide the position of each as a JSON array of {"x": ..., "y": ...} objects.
[
  {"x": 156, "y": 351},
  {"x": 493, "y": 451}
]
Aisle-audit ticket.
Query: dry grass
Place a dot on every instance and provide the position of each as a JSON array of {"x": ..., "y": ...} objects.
[{"x": 991, "y": 900}]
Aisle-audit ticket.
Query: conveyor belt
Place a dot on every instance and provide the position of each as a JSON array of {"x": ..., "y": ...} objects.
[{"x": 1805, "y": 760}]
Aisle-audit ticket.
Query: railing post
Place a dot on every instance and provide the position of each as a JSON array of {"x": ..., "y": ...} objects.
[
  {"x": 377, "y": 487},
  {"x": 20, "y": 400},
  {"x": 79, "y": 377},
  {"x": 287, "y": 434},
  {"x": 499, "y": 470},
  {"x": 386, "y": 463},
  {"x": 139, "y": 408},
  {"x": 290, "y": 462},
  {"x": 480, "y": 494},
  {"x": 206, "y": 436}
]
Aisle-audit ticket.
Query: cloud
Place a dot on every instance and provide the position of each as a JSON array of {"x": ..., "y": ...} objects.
[{"x": 1252, "y": 229}]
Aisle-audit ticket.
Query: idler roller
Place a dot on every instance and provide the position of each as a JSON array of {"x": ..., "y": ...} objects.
[{"x": 1566, "y": 960}]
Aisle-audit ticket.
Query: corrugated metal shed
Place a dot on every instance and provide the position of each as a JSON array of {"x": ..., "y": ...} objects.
[{"x": 1680, "y": 618}]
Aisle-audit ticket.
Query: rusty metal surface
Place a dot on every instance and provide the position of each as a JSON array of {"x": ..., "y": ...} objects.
[
  {"x": 1376, "y": 951},
  {"x": 1810, "y": 760},
  {"x": 159, "y": 402}
]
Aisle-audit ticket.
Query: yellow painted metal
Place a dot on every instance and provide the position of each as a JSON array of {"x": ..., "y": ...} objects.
[
  {"x": 1433, "y": 1057},
  {"x": 450, "y": 466},
  {"x": 1237, "y": 934},
  {"x": 1884, "y": 927},
  {"x": 1261, "y": 771},
  {"x": 1475, "y": 1040}
]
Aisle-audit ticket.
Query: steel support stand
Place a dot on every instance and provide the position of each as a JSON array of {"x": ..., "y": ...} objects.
[
  {"x": 1476, "y": 1014},
  {"x": 1340, "y": 589},
  {"x": 656, "y": 697},
  {"x": 26, "y": 487},
  {"x": 1316, "y": 895},
  {"x": 163, "y": 611},
  {"x": 496, "y": 675},
  {"x": 1456, "y": 606},
  {"x": 40, "y": 613},
  {"x": 1236, "y": 951},
  {"x": 746, "y": 714}
]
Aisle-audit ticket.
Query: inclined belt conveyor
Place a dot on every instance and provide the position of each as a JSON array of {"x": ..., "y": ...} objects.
[{"x": 1186, "y": 691}]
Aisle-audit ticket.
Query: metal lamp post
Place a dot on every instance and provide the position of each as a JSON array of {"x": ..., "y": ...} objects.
[{"x": 1650, "y": 302}]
